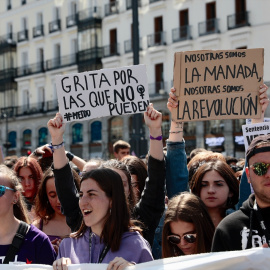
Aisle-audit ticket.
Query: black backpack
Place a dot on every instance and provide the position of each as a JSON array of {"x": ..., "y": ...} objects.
[{"x": 16, "y": 242}]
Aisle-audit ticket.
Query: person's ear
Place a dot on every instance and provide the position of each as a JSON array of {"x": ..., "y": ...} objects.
[
  {"x": 16, "y": 197},
  {"x": 248, "y": 174},
  {"x": 115, "y": 155}
]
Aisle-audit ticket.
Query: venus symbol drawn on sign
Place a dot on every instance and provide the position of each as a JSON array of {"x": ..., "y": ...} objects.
[{"x": 141, "y": 90}]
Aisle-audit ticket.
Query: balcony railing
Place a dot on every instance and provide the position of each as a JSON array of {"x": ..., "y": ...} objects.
[
  {"x": 90, "y": 55},
  {"x": 30, "y": 69},
  {"x": 32, "y": 108},
  {"x": 208, "y": 27},
  {"x": 72, "y": 20},
  {"x": 158, "y": 88},
  {"x": 8, "y": 74},
  {"x": 181, "y": 33},
  {"x": 238, "y": 20},
  {"x": 128, "y": 46},
  {"x": 60, "y": 62},
  {"x": 38, "y": 31},
  {"x": 111, "y": 8},
  {"x": 111, "y": 50},
  {"x": 23, "y": 35},
  {"x": 156, "y": 39},
  {"x": 8, "y": 40},
  {"x": 55, "y": 26},
  {"x": 129, "y": 4},
  {"x": 153, "y": 1}
]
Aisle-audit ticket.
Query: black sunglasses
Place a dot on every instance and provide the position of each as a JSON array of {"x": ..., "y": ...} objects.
[
  {"x": 3, "y": 190},
  {"x": 176, "y": 239},
  {"x": 260, "y": 168}
]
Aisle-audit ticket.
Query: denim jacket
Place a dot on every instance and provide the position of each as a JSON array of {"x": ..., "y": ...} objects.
[{"x": 176, "y": 169}]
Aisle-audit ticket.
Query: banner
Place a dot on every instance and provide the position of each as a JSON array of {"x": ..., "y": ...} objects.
[
  {"x": 105, "y": 92},
  {"x": 255, "y": 259},
  {"x": 221, "y": 84}
]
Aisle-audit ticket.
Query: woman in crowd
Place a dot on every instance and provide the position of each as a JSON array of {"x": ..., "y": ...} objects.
[
  {"x": 138, "y": 171},
  {"x": 30, "y": 174},
  {"x": 107, "y": 234},
  {"x": 35, "y": 248},
  {"x": 215, "y": 183},
  {"x": 188, "y": 228},
  {"x": 50, "y": 219},
  {"x": 150, "y": 207}
]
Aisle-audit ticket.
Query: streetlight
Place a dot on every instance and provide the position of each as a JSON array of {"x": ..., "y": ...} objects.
[{"x": 137, "y": 141}]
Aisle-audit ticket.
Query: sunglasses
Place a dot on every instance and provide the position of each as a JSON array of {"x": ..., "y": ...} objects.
[
  {"x": 260, "y": 168},
  {"x": 176, "y": 239},
  {"x": 3, "y": 190}
]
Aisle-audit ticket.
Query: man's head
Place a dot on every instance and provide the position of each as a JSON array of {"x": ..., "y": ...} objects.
[
  {"x": 121, "y": 149},
  {"x": 258, "y": 170}
]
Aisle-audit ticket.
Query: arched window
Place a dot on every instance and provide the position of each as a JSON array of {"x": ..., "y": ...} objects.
[
  {"x": 12, "y": 137},
  {"x": 27, "y": 138},
  {"x": 96, "y": 131},
  {"x": 42, "y": 136},
  {"x": 77, "y": 132}
]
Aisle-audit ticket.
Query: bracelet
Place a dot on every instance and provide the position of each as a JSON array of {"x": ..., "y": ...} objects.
[
  {"x": 179, "y": 131},
  {"x": 56, "y": 146},
  {"x": 70, "y": 156},
  {"x": 158, "y": 138}
]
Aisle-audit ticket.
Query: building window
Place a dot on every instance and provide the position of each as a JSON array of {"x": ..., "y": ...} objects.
[
  {"x": 96, "y": 128},
  {"x": 42, "y": 136},
  {"x": 159, "y": 82},
  {"x": 158, "y": 30},
  {"x": 9, "y": 5},
  {"x": 113, "y": 42},
  {"x": 27, "y": 138},
  {"x": 77, "y": 131},
  {"x": 12, "y": 138},
  {"x": 116, "y": 129},
  {"x": 210, "y": 16}
]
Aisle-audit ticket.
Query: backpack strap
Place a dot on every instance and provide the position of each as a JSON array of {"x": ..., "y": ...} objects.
[{"x": 16, "y": 242}]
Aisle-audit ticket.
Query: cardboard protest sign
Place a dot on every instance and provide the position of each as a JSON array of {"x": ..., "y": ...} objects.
[
  {"x": 253, "y": 130},
  {"x": 221, "y": 84},
  {"x": 105, "y": 92}
]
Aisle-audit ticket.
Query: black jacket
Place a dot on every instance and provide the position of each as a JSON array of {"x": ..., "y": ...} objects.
[
  {"x": 148, "y": 210},
  {"x": 233, "y": 232}
]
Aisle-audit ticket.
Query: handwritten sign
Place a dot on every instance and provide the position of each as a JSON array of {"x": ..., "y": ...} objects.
[
  {"x": 220, "y": 84},
  {"x": 100, "y": 93},
  {"x": 253, "y": 130}
]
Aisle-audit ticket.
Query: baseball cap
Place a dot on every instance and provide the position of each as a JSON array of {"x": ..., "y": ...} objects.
[{"x": 258, "y": 141}]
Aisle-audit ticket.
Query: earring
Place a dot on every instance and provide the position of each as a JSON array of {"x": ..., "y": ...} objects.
[{"x": 14, "y": 202}]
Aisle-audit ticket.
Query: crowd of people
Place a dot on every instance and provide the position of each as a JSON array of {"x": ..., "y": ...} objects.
[{"x": 59, "y": 209}]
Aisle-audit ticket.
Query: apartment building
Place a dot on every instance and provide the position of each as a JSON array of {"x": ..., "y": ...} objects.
[{"x": 43, "y": 38}]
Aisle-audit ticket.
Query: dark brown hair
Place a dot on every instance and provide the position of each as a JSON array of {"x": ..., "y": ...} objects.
[
  {"x": 136, "y": 166},
  {"x": 118, "y": 221},
  {"x": 120, "y": 145},
  {"x": 225, "y": 172},
  {"x": 43, "y": 207},
  {"x": 188, "y": 207},
  {"x": 116, "y": 164},
  {"x": 19, "y": 208}
]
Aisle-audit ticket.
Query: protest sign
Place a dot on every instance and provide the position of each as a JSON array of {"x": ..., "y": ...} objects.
[
  {"x": 104, "y": 92},
  {"x": 221, "y": 84},
  {"x": 256, "y": 259},
  {"x": 253, "y": 130}
]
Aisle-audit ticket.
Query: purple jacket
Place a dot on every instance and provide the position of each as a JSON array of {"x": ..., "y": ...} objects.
[{"x": 133, "y": 248}]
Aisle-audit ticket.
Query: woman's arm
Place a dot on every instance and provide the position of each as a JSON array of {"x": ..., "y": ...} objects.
[{"x": 176, "y": 159}]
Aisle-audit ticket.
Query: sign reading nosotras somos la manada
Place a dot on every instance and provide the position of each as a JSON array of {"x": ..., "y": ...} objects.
[
  {"x": 105, "y": 92},
  {"x": 218, "y": 84}
]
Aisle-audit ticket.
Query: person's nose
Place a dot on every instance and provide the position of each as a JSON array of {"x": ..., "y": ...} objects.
[
  {"x": 211, "y": 189},
  {"x": 27, "y": 182}
]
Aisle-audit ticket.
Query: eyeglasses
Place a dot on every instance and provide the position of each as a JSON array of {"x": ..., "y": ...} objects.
[
  {"x": 176, "y": 239},
  {"x": 260, "y": 168},
  {"x": 3, "y": 190}
]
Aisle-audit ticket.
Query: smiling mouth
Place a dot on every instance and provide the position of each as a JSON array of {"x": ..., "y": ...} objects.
[{"x": 86, "y": 212}]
